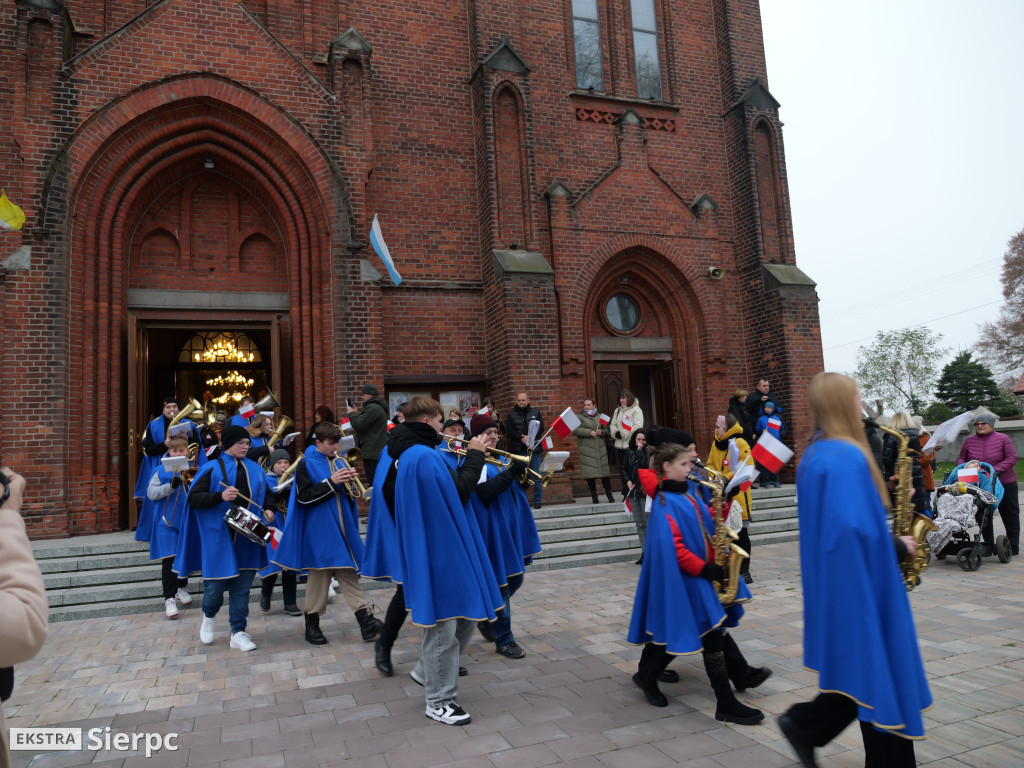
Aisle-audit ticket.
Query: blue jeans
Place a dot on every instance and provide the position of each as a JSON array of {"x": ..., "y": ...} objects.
[
  {"x": 535, "y": 461},
  {"x": 238, "y": 598},
  {"x": 502, "y": 626}
]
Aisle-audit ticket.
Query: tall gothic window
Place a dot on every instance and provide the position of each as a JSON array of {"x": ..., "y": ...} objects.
[
  {"x": 587, "y": 41},
  {"x": 645, "y": 50}
]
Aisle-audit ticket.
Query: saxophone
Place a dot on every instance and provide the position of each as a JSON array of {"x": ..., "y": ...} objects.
[
  {"x": 905, "y": 522},
  {"x": 727, "y": 553}
]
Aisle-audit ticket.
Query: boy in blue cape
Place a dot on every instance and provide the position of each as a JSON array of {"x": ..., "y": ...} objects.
[
  {"x": 154, "y": 444},
  {"x": 227, "y": 560},
  {"x": 858, "y": 628},
  {"x": 279, "y": 461},
  {"x": 321, "y": 535},
  {"x": 448, "y": 581}
]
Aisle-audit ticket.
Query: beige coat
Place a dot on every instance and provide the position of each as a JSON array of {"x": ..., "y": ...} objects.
[
  {"x": 636, "y": 416},
  {"x": 23, "y": 610}
]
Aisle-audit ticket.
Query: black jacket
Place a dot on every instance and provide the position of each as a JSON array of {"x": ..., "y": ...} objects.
[
  {"x": 518, "y": 425},
  {"x": 635, "y": 459},
  {"x": 755, "y": 407},
  {"x": 871, "y": 431},
  {"x": 889, "y": 449},
  {"x": 739, "y": 410}
]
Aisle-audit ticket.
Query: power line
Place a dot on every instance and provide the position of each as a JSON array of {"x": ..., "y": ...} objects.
[{"x": 925, "y": 323}]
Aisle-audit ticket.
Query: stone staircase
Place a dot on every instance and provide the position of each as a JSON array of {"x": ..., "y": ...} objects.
[{"x": 111, "y": 574}]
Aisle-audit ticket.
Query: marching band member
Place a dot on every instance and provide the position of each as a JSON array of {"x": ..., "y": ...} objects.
[
  {"x": 227, "y": 560},
  {"x": 448, "y": 583},
  {"x": 279, "y": 462},
  {"x": 677, "y": 610},
  {"x": 858, "y": 627},
  {"x": 321, "y": 535},
  {"x": 260, "y": 430},
  {"x": 238, "y": 420},
  {"x": 160, "y": 523},
  {"x": 509, "y": 534},
  {"x": 154, "y": 444}
]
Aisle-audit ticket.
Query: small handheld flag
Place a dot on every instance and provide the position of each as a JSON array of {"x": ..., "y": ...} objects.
[
  {"x": 246, "y": 411},
  {"x": 627, "y": 424},
  {"x": 566, "y": 422},
  {"x": 346, "y": 425},
  {"x": 391, "y": 425},
  {"x": 770, "y": 452},
  {"x": 11, "y": 216},
  {"x": 744, "y": 478},
  {"x": 377, "y": 241},
  {"x": 547, "y": 443},
  {"x": 605, "y": 419},
  {"x": 275, "y": 537},
  {"x": 967, "y": 474},
  {"x": 483, "y": 411},
  {"x": 774, "y": 423},
  {"x": 628, "y": 507}
]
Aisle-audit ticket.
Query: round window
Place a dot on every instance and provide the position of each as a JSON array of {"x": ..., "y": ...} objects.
[{"x": 622, "y": 313}]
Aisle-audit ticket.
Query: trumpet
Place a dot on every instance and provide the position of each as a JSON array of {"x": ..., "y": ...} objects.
[
  {"x": 528, "y": 477},
  {"x": 354, "y": 488}
]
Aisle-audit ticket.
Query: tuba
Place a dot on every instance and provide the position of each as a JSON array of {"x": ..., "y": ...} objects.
[
  {"x": 905, "y": 522},
  {"x": 728, "y": 554}
]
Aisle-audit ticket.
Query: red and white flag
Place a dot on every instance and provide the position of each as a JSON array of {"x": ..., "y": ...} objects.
[
  {"x": 770, "y": 452},
  {"x": 566, "y": 422},
  {"x": 547, "y": 443},
  {"x": 775, "y": 423},
  {"x": 391, "y": 425},
  {"x": 345, "y": 424},
  {"x": 275, "y": 537},
  {"x": 628, "y": 507},
  {"x": 627, "y": 424},
  {"x": 967, "y": 474},
  {"x": 246, "y": 411},
  {"x": 605, "y": 419},
  {"x": 482, "y": 412},
  {"x": 744, "y": 478}
]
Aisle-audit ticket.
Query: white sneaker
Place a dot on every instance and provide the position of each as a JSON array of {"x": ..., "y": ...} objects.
[
  {"x": 242, "y": 641},
  {"x": 206, "y": 631},
  {"x": 170, "y": 608},
  {"x": 183, "y": 596},
  {"x": 332, "y": 589},
  {"x": 448, "y": 713}
]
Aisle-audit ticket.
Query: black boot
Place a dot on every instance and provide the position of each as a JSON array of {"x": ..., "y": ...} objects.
[
  {"x": 652, "y": 661},
  {"x": 593, "y": 495},
  {"x": 382, "y": 657},
  {"x": 369, "y": 626},
  {"x": 743, "y": 675},
  {"x": 611, "y": 499},
  {"x": 729, "y": 709},
  {"x": 313, "y": 633}
]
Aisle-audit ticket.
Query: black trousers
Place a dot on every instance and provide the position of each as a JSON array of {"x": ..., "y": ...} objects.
[
  {"x": 823, "y": 719},
  {"x": 605, "y": 481},
  {"x": 394, "y": 618},
  {"x": 169, "y": 578},
  {"x": 744, "y": 541},
  {"x": 289, "y": 586}
]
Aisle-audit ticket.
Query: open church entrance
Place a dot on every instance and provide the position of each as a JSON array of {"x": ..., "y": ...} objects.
[{"x": 217, "y": 360}]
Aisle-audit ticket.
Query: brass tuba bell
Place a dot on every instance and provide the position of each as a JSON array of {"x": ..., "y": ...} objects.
[{"x": 268, "y": 402}]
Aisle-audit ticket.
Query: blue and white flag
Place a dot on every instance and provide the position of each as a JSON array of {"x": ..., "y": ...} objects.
[{"x": 377, "y": 241}]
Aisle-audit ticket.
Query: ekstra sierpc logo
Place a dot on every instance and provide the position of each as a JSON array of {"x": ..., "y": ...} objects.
[{"x": 96, "y": 739}]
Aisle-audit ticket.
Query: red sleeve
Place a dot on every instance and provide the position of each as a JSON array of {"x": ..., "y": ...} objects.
[
  {"x": 688, "y": 561},
  {"x": 648, "y": 481}
]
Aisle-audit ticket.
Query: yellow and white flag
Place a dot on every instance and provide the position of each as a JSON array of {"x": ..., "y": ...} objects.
[{"x": 11, "y": 216}]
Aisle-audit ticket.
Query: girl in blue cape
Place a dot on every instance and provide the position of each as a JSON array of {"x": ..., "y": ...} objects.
[
  {"x": 677, "y": 611},
  {"x": 859, "y": 632}
]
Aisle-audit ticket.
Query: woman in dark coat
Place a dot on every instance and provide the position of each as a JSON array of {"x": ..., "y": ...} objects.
[
  {"x": 634, "y": 458},
  {"x": 738, "y": 408}
]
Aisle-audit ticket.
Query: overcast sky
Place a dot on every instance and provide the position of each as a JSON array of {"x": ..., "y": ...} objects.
[{"x": 903, "y": 129}]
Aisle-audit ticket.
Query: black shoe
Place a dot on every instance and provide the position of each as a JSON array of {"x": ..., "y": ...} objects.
[
  {"x": 463, "y": 671},
  {"x": 511, "y": 650},
  {"x": 741, "y": 674},
  {"x": 485, "y": 630},
  {"x": 594, "y": 497},
  {"x": 640, "y": 561},
  {"x": 382, "y": 658},
  {"x": 611, "y": 499},
  {"x": 264, "y": 602},
  {"x": 654, "y": 696},
  {"x": 803, "y": 748},
  {"x": 292, "y": 610},
  {"x": 536, "y": 505},
  {"x": 369, "y": 626},
  {"x": 668, "y": 676},
  {"x": 755, "y": 677},
  {"x": 747, "y": 577},
  {"x": 313, "y": 634}
]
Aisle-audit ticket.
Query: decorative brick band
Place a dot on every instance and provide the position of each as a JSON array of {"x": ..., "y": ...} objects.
[{"x": 606, "y": 117}]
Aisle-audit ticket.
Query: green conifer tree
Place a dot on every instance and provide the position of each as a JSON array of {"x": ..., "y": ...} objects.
[{"x": 965, "y": 384}]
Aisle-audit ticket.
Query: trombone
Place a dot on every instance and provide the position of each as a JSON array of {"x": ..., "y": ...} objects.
[{"x": 354, "y": 488}]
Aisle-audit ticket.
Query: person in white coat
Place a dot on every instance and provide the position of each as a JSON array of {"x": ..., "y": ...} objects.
[{"x": 627, "y": 418}]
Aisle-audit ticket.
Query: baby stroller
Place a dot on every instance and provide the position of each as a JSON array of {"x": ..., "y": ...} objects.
[{"x": 964, "y": 506}]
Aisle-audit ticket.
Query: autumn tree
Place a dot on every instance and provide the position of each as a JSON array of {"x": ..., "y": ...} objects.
[
  {"x": 900, "y": 367},
  {"x": 1002, "y": 342}
]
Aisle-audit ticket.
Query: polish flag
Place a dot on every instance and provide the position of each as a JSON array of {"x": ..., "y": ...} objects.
[
  {"x": 346, "y": 425},
  {"x": 627, "y": 424},
  {"x": 482, "y": 412},
  {"x": 770, "y": 452},
  {"x": 774, "y": 422},
  {"x": 275, "y": 536},
  {"x": 967, "y": 474},
  {"x": 605, "y": 419},
  {"x": 391, "y": 425},
  {"x": 566, "y": 422},
  {"x": 246, "y": 411},
  {"x": 547, "y": 443},
  {"x": 628, "y": 507},
  {"x": 744, "y": 478}
]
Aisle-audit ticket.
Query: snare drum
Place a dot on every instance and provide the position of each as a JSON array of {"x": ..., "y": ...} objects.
[{"x": 249, "y": 525}]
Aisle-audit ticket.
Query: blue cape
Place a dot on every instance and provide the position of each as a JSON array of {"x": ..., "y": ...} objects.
[
  {"x": 858, "y": 628},
  {"x": 443, "y": 560},
  {"x": 323, "y": 535},
  {"x": 151, "y": 464},
  {"x": 206, "y": 545},
  {"x": 238, "y": 421},
  {"x": 160, "y": 521},
  {"x": 524, "y": 527},
  {"x": 494, "y": 522},
  {"x": 380, "y": 555},
  {"x": 673, "y": 608}
]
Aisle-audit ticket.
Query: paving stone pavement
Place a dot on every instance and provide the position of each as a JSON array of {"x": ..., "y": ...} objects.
[{"x": 569, "y": 702}]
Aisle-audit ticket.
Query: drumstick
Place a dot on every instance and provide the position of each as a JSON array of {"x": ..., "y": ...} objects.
[{"x": 243, "y": 498}]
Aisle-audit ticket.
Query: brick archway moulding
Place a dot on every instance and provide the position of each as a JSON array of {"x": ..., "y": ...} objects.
[{"x": 107, "y": 167}]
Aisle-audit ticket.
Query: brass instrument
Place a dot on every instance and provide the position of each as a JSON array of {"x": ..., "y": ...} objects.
[
  {"x": 528, "y": 477},
  {"x": 210, "y": 413},
  {"x": 354, "y": 488},
  {"x": 291, "y": 469},
  {"x": 267, "y": 403},
  {"x": 727, "y": 553},
  {"x": 281, "y": 500},
  {"x": 190, "y": 406},
  {"x": 274, "y": 438},
  {"x": 905, "y": 522}
]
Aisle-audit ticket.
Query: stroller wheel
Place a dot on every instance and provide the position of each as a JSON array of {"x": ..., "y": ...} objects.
[
  {"x": 967, "y": 560},
  {"x": 1003, "y": 550}
]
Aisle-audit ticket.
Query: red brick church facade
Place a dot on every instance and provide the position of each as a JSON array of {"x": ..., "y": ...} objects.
[{"x": 213, "y": 165}]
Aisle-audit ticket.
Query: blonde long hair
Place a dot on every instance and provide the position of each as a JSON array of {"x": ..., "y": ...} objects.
[
  {"x": 255, "y": 428},
  {"x": 834, "y": 400}
]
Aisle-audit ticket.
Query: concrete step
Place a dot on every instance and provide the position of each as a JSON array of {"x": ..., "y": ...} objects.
[
  {"x": 589, "y": 546},
  {"x": 88, "y": 562},
  {"x": 595, "y": 519},
  {"x": 587, "y": 533},
  {"x": 558, "y": 562}
]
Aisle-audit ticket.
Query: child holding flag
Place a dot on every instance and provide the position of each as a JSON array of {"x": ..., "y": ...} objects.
[{"x": 772, "y": 422}]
